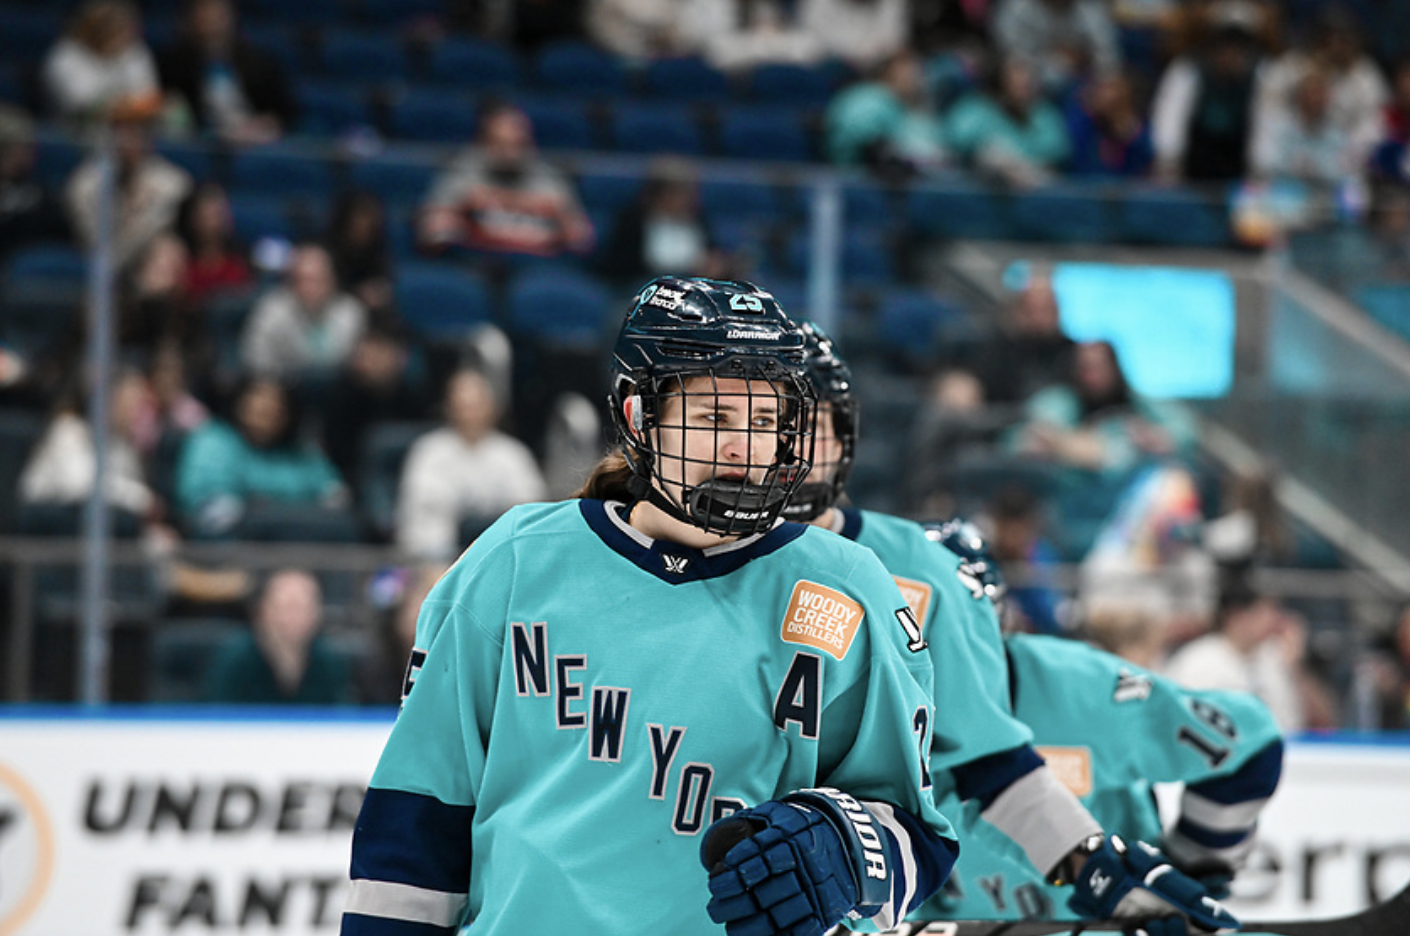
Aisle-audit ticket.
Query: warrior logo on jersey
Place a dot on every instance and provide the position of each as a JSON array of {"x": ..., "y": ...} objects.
[
  {"x": 1131, "y": 687},
  {"x": 821, "y": 617},
  {"x": 675, "y": 564}
]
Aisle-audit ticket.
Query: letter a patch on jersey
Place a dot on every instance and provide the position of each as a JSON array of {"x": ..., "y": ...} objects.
[{"x": 822, "y": 618}]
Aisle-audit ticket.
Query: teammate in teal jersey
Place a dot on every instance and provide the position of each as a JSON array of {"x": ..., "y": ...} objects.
[
  {"x": 600, "y": 679},
  {"x": 981, "y": 752}
]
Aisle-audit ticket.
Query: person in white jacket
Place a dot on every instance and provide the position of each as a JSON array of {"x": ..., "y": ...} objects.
[{"x": 466, "y": 469}]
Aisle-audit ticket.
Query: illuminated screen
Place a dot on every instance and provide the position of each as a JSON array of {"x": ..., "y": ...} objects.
[{"x": 1173, "y": 329}]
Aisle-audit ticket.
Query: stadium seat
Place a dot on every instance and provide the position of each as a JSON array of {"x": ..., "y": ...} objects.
[
  {"x": 1064, "y": 213},
  {"x": 1173, "y": 216},
  {"x": 959, "y": 210},
  {"x": 280, "y": 42},
  {"x": 331, "y": 108},
  {"x": 558, "y": 305},
  {"x": 346, "y": 55},
  {"x": 258, "y": 217},
  {"x": 432, "y": 115},
  {"x": 867, "y": 256},
  {"x": 27, "y": 31},
  {"x": 439, "y": 301},
  {"x": 56, "y": 265},
  {"x": 868, "y": 204},
  {"x": 284, "y": 522},
  {"x": 768, "y": 132},
  {"x": 792, "y": 84},
  {"x": 685, "y": 78},
  {"x": 182, "y": 654},
  {"x": 41, "y": 295},
  {"x": 280, "y": 171},
  {"x": 609, "y": 191},
  {"x": 560, "y": 123},
  {"x": 395, "y": 12},
  {"x": 577, "y": 67},
  {"x": 655, "y": 128},
  {"x": 56, "y": 158},
  {"x": 398, "y": 178},
  {"x": 384, "y": 450},
  {"x": 313, "y": 13},
  {"x": 741, "y": 196},
  {"x": 474, "y": 63}
]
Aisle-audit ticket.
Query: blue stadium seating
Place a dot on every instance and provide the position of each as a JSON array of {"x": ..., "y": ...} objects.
[
  {"x": 768, "y": 132},
  {"x": 608, "y": 191},
  {"x": 792, "y": 84},
  {"x": 256, "y": 217},
  {"x": 1173, "y": 216},
  {"x": 560, "y": 123},
  {"x": 742, "y": 196},
  {"x": 474, "y": 63},
  {"x": 195, "y": 158},
  {"x": 346, "y": 55},
  {"x": 440, "y": 302},
  {"x": 384, "y": 450},
  {"x": 182, "y": 654},
  {"x": 959, "y": 210},
  {"x": 1065, "y": 212},
  {"x": 53, "y": 265},
  {"x": 395, "y": 12},
  {"x": 20, "y": 430},
  {"x": 314, "y": 13},
  {"x": 868, "y": 204},
  {"x": 868, "y": 259},
  {"x": 685, "y": 78},
  {"x": 398, "y": 178},
  {"x": 27, "y": 33},
  {"x": 331, "y": 108},
  {"x": 579, "y": 68},
  {"x": 280, "y": 42},
  {"x": 279, "y": 171},
  {"x": 43, "y": 290},
  {"x": 655, "y": 128},
  {"x": 433, "y": 115},
  {"x": 55, "y": 160},
  {"x": 558, "y": 305}
]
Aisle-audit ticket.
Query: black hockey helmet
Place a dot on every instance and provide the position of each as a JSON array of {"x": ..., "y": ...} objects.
[
  {"x": 832, "y": 382},
  {"x": 679, "y": 328},
  {"x": 977, "y": 569}
]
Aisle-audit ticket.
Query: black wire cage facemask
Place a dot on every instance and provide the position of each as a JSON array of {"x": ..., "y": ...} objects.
[
  {"x": 723, "y": 449},
  {"x": 831, "y": 380}
]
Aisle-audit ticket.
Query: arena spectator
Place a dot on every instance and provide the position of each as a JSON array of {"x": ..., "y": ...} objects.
[
  {"x": 1008, "y": 131},
  {"x": 1389, "y": 667},
  {"x": 1095, "y": 422},
  {"x": 501, "y": 197},
  {"x": 465, "y": 470},
  {"x": 1066, "y": 41},
  {"x": 664, "y": 229},
  {"x": 257, "y": 455},
  {"x": 1111, "y": 137},
  {"x": 284, "y": 658},
  {"x": 306, "y": 327},
  {"x": 736, "y": 35},
  {"x": 888, "y": 123},
  {"x": 62, "y": 467},
  {"x": 362, "y": 256},
  {"x": 233, "y": 90},
  {"x": 1202, "y": 111},
  {"x": 156, "y": 308},
  {"x": 1029, "y": 350},
  {"x": 636, "y": 29},
  {"x": 1350, "y": 97},
  {"x": 219, "y": 263},
  {"x": 383, "y": 380},
  {"x": 100, "y": 68},
  {"x": 1034, "y": 603},
  {"x": 863, "y": 33},
  {"x": 1307, "y": 142},
  {"x": 381, "y": 680},
  {"x": 150, "y": 190},
  {"x": 29, "y": 212}
]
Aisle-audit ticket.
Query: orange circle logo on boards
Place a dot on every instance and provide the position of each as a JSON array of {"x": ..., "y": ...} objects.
[{"x": 26, "y": 851}]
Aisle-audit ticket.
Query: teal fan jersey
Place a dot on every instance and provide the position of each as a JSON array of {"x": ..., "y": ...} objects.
[
  {"x": 1110, "y": 729},
  {"x": 590, "y": 699},
  {"x": 966, "y": 650}
]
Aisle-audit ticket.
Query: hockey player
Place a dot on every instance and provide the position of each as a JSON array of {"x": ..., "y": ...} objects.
[
  {"x": 599, "y": 679},
  {"x": 980, "y": 750},
  {"x": 1112, "y": 730}
]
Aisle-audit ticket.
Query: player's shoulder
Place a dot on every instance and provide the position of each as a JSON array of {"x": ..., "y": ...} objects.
[
  {"x": 500, "y": 540},
  {"x": 824, "y": 555}
]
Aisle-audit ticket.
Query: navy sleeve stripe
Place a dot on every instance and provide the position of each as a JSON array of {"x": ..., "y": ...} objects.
[
  {"x": 1256, "y": 779},
  {"x": 1211, "y": 838},
  {"x": 984, "y": 779},
  {"x": 409, "y": 838},
  {"x": 923, "y": 859},
  {"x": 356, "y": 924}
]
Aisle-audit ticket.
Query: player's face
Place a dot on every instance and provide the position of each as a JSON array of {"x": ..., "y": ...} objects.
[
  {"x": 827, "y": 446},
  {"x": 718, "y": 428}
]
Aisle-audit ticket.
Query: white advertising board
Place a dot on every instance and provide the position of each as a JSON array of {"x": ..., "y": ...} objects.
[{"x": 164, "y": 823}]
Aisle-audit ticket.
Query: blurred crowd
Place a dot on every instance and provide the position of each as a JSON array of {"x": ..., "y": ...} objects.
[{"x": 284, "y": 388}]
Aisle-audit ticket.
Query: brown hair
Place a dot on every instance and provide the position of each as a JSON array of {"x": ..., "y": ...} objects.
[
  {"x": 95, "y": 21},
  {"x": 608, "y": 479}
]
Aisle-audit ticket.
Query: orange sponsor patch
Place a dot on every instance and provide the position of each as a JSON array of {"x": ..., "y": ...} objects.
[
  {"x": 1071, "y": 765},
  {"x": 821, "y": 617},
  {"x": 917, "y": 595}
]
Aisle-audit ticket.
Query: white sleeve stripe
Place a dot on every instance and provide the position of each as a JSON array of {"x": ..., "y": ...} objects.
[
  {"x": 891, "y": 914},
  {"x": 405, "y": 902},
  {"x": 1220, "y": 817},
  {"x": 1042, "y": 816},
  {"x": 1181, "y": 848}
]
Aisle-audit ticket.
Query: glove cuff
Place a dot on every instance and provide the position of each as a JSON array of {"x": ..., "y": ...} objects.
[
  {"x": 1102, "y": 882},
  {"x": 864, "y": 840}
]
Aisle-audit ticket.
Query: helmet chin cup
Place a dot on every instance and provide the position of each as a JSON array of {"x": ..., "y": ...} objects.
[
  {"x": 733, "y": 508},
  {"x": 810, "y": 501}
]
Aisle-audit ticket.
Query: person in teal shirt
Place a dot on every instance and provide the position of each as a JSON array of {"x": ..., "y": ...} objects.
[
  {"x": 889, "y": 121},
  {"x": 257, "y": 456},
  {"x": 1008, "y": 130}
]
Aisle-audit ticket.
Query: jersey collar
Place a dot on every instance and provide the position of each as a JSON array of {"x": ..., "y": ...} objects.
[
  {"x": 851, "y": 522},
  {"x": 671, "y": 562}
]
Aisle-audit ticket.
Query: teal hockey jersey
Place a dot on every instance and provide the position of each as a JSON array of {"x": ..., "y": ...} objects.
[
  {"x": 588, "y": 700},
  {"x": 1110, "y": 729}
]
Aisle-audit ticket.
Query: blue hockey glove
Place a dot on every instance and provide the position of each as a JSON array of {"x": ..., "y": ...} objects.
[
  {"x": 796, "y": 866},
  {"x": 1120, "y": 881}
]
